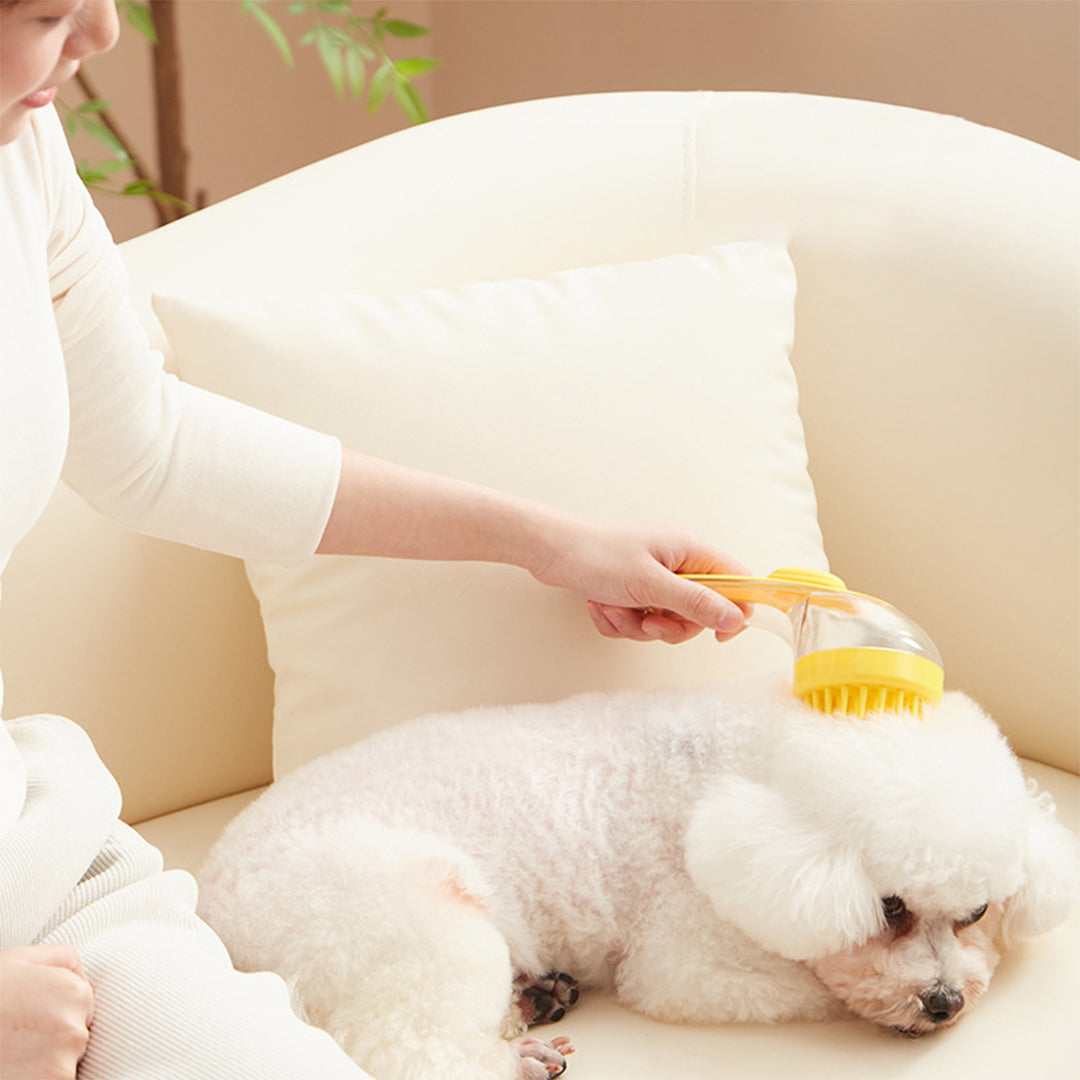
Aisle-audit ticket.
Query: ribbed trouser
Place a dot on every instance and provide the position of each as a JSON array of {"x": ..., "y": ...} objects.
[{"x": 168, "y": 1004}]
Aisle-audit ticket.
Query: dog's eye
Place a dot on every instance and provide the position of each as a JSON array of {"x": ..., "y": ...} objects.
[
  {"x": 974, "y": 917},
  {"x": 895, "y": 908}
]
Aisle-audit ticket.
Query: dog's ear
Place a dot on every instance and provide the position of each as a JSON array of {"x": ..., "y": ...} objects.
[
  {"x": 1051, "y": 874},
  {"x": 794, "y": 888}
]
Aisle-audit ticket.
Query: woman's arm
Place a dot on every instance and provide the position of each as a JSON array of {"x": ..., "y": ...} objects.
[
  {"x": 626, "y": 573},
  {"x": 173, "y": 461}
]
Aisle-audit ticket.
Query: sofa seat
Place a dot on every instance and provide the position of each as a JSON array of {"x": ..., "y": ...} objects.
[{"x": 612, "y": 1042}]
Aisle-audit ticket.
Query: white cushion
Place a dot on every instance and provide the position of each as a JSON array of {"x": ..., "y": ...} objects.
[{"x": 656, "y": 390}]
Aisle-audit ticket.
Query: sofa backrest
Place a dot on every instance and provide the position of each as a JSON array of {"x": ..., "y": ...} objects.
[{"x": 936, "y": 350}]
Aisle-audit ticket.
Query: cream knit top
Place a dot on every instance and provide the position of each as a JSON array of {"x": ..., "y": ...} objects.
[{"x": 85, "y": 399}]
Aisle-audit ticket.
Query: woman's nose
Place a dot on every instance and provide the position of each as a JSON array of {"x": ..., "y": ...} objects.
[{"x": 96, "y": 30}]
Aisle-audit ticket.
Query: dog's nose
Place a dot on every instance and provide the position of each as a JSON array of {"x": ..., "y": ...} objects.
[{"x": 941, "y": 1003}]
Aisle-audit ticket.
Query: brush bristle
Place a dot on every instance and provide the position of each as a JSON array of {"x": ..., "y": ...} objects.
[{"x": 855, "y": 700}]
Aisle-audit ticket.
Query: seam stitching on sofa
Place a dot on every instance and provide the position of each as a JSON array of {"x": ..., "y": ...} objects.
[{"x": 689, "y": 178}]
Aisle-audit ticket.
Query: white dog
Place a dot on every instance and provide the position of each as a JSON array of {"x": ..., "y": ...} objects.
[{"x": 712, "y": 856}]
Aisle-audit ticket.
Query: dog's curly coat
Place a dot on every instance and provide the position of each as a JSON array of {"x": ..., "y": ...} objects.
[{"x": 712, "y": 855}]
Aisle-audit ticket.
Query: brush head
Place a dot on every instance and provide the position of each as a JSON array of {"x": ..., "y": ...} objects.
[
  {"x": 861, "y": 680},
  {"x": 854, "y": 654}
]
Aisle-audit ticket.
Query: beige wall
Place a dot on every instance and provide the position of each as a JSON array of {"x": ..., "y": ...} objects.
[{"x": 1012, "y": 64}]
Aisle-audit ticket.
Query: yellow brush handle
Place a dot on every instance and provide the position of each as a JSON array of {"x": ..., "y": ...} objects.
[{"x": 782, "y": 589}]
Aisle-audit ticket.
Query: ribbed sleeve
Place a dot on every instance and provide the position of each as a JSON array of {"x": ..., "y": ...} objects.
[{"x": 70, "y": 808}]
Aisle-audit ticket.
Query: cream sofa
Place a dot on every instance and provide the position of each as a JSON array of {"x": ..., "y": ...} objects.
[{"x": 937, "y": 356}]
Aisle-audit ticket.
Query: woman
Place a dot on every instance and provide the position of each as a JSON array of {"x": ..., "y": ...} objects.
[{"x": 104, "y": 968}]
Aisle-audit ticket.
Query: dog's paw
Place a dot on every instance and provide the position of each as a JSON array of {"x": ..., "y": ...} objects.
[
  {"x": 544, "y": 999},
  {"x": 541, "y": 1060}
]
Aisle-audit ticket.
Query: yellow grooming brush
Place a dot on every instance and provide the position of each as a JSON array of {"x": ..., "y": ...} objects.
[{"x": 854, "y": 653}]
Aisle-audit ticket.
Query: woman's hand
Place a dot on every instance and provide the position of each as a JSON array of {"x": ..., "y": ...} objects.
[
  {"x": 628, "y": 577},
  {"x": 46, "y": 1005}
]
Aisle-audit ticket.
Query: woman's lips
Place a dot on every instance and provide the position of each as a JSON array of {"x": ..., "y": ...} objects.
[{"x": 40, "y": 98}]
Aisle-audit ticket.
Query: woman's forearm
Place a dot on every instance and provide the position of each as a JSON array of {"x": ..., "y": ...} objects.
[
  {"x": 392, "y": 510},
  {"x": 627, "y": 574}
]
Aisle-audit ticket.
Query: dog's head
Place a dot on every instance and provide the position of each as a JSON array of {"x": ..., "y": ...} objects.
[{"x": 890, "y": 853}]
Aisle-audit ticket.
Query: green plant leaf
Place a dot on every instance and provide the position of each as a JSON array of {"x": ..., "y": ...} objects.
[
  {"x": 90, "y": 176},
  {"x": 332, "y": 60},
  {"x": 298, "y": 8},
  {"x": 270, "y": 25},
  {"x": 170, "y": 200},
  {"x": 403, "y": 28},
  {"x": 140, "y": 18},
  {"x": 152, "y": 191},
  {"x": 410, "y": 101},
  {"x": 137, "y": 187},
  {"x": 412, "y": 66},
  {"x": 380, "y": 86},
  {"x": 336, "y": 36},
  {"x": 355, "y": 72},
  {"x": 75, "y": 118},
  {"x": 105, "y": 137},
  {"x": 113, "y": 165},
  {"x": 94, "y": 105}
]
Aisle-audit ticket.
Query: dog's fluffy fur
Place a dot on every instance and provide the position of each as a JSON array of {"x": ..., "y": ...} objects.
[{"x": 711, "y": 855}]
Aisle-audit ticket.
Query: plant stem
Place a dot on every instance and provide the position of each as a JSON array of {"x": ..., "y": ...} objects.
[
  {"x": 173, "y": 154},
  {"x": 106, "y": 117}
]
